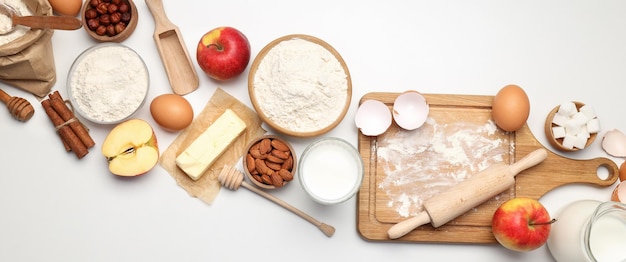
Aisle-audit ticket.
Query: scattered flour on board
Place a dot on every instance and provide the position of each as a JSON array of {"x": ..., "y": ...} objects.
[{"x": 424, "y": 162}]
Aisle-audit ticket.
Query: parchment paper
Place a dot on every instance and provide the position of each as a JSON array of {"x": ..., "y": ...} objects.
[{"x": 207, "y": 187}]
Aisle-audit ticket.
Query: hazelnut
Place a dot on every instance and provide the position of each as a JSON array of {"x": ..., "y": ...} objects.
[
  {"x": 126, "y": 17},
  {"x": 111, "y": 30},
  {"x": 117, "y": 2},
  {"x": 89, "y": 14},
  {"x": 101, "y": 30},
  {"x": 93, "y": 23},
  {"x": 102, "y": 8},
  {"x": 115, "y": 17},
  {"x": 94, "y": 3},
  {"x": 123, "y": 7},
  {"x": 105, "y": 19},
  {"x": 119, "y": 27},
  {"x": 112, "y": 8}
]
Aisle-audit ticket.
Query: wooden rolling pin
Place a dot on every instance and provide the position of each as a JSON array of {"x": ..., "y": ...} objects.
[
  {"x": 19, "y": 107},
  {"x": 468, "y": 194}
]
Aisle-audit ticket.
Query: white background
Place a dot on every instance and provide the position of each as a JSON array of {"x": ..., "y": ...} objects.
[{"x": 54, "y": 207}]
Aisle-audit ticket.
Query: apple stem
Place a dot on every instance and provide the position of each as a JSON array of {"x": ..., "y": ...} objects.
[
  {"x": 218, "y": 47},
  {"x": 543, "y": 223}
]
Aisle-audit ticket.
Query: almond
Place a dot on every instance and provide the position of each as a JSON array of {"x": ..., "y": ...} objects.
[
  {"x": 250, "y": 163},
  {"x": 273, "y": 166},
  {"x": 277, "y": 180},
  {"x": 266, "y": 179},
  {"x": 277, "y": 144},
  {"x": 285, "y": 174},
  {"x": 274, "y": 159},
  {"x": 288, "y": 164},
  {"x": 265, "y": 146},
  {"x": 262, "y": 167},
  {"x": 280, "y": 154}
]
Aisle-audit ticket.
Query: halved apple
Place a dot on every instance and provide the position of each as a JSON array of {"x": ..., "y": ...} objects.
[{"x": 131, "y": 148}]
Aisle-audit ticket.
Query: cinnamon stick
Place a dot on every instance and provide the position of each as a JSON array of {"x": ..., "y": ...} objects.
[
  {"x": 66, "y": 114},
  {"x": 65, "y": 131}
]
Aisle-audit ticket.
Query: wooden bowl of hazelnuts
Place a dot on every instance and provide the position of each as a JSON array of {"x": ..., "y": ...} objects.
[{"x": 109, "y": 20}]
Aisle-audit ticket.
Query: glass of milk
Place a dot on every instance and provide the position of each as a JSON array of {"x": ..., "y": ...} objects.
[
  {"x": 330, "y": 170},
  {"x": 589, "y": 230}
]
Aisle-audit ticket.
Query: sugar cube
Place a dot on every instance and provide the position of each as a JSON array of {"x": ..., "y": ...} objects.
[
  {"x": 580, "y": 142},
  {"x": 558, "y": 131},
  {"x": 567, "y": 109},
  {"x": 569, "y": 141},
  {"x": 560, "y": 120},
  {"x": 593, "y": 126},
  {"x": 589, "y": 111},
  {"x": 572, "y": 126},
  {"x": 580, "y": 118}
]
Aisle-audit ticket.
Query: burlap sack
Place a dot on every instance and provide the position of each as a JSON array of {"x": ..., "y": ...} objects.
[{"x": 28, "y": 62}]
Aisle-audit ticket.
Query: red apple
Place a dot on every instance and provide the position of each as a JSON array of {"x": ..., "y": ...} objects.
[
  {"x": 223, "y": 53},
  {"x": 521, "y": 224}
]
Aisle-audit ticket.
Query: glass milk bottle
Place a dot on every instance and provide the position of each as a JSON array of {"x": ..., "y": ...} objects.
[{"x": 589, "y": 230}]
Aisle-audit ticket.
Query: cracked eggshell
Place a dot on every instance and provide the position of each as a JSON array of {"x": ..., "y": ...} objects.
[
  {"x": 614, "y": 143},
  {"x": 410, "y": 110},
  {"x": 373, "y": 118},
  {"x": 619, "y": 193}
]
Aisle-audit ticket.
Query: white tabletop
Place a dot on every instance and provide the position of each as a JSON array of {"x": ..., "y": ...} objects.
[{"x": 58, "y": 208}]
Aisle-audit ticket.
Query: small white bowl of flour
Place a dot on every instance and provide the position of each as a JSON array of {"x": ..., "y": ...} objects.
[
  {"x": 300, "y": 86},
  {"x": 108, "y": 83}
]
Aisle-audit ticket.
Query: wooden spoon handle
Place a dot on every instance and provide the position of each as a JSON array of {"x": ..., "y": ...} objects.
[
  {"x": 53, "y": 22},
  {"x": 328, "y": 230}
]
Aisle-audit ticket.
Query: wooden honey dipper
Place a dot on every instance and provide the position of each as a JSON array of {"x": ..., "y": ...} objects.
[
  {"x": 231, "y": 178},
  {"x": 19, "y": 107}
]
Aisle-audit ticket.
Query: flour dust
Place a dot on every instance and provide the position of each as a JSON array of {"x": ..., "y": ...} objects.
[{"x": 422, "y": 163}]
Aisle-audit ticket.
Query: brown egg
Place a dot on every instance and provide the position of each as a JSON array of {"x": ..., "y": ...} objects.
[
  {"x": 510, "y": 108},
  {"x": 171, "y": 111},
  {"x": 66, "y": 7}
]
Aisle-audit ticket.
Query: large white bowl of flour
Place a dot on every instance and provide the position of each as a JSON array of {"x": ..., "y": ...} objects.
[
  {"x": 108, "y": 83},
  {"x": 300, "y": 86}
]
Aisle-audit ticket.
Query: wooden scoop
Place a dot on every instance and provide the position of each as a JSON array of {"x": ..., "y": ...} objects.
[
  {"x": 178, "y": 66},
  {"x": 19, "y": 107},
  {"x": 38, "y": 22},
  {"x": 468, "y": 194},
  {"x": 231, "y": 178}
]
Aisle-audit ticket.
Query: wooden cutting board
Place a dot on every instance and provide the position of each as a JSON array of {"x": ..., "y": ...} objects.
[{"x": 394, "y": 183}]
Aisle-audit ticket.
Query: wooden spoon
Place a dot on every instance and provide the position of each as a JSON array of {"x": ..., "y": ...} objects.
[
  {"x": 19, "y": 107},
  {"x": 231, "y": 178},
  {"x": 38, "y": 22},
  {"x": 178, "y": 66}
]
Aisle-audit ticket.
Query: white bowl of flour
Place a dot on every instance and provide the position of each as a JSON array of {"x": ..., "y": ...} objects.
[
  {"x": 300, "y": 86},
  {"x": 108, "y": 83}
]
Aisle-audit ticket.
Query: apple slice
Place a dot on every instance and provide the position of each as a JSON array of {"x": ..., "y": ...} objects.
[{"x": 131, "y": 148}]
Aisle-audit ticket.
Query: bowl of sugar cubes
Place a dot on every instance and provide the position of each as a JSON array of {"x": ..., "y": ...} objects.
[{"x": 572, "y": 126}]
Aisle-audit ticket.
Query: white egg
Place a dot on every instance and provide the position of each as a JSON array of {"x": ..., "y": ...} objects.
[
  {"x": 373, "y": 118},
  {"x": 410, "y": 110}
]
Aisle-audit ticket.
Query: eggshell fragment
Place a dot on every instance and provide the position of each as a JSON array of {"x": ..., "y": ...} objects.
[
  {"x": 373, "y": 118},
  {"x": 619, "y": 193},
  {"x": 614, "y": 143},
  {"x": 410, "y": 110},
  {"x": 510, "y": 108},
  {"x": 622, "y": 171}
]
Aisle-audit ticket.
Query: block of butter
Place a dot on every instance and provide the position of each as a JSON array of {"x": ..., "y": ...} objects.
[{"x": 210, "y": 145}]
